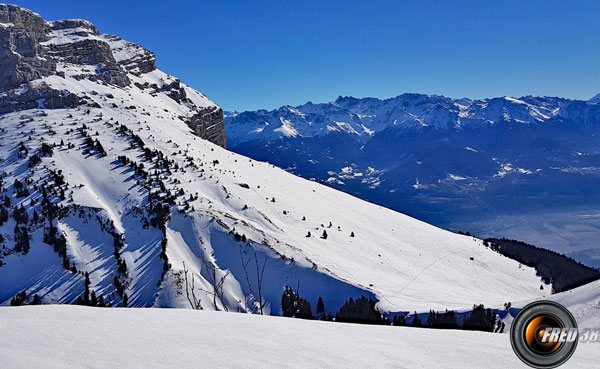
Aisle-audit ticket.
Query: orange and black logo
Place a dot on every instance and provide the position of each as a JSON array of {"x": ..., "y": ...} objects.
[{"x": 544, "y": 334}]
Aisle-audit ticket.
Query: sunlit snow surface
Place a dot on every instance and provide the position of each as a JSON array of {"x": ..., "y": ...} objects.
[{"x": 77, "y": 337}]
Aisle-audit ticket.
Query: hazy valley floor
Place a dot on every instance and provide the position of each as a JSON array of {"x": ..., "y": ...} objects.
[{"x": 79, "y": 337}]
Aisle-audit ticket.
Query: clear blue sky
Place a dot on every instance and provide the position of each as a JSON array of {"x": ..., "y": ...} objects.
[{"x": 264, "y": 54}]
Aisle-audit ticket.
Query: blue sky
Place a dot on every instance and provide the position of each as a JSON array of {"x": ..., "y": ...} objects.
[{"x": 263, "y": 54}]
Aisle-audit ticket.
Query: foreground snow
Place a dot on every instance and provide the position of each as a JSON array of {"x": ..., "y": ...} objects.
[{"x": 78, "y": 337}]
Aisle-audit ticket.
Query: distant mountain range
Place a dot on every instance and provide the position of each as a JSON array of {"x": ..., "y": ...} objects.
[{"x": 526, "y": 168}]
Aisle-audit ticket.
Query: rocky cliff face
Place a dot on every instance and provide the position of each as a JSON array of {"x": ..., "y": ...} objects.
[
  {"x": 209, "y": 124},
  {"x": 32, "y": 49},
  {"x": 22, "y": 57}
]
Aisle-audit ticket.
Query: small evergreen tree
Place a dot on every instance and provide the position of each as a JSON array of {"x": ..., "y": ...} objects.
[
  {"x": 399, "y": 320},
  {"x": 93, "y": 299},
  {"x": 19, "y": 299},
  {"x": 320, "y": 308},
  {"x": 416, "y": 321},
  {"x": 86, "y": 291}
]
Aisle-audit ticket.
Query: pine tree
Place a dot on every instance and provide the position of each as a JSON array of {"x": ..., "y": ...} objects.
[
  {"x": 19, "y": 299},
  {"x": 36, "y": 300},
  {"x": 324, "y": 235},
  {"x": 86, "y": 292},
  {"x": 416, "y": 321},
  {"x": 21, "y": 237},
  {"x": 94, "y": 300},
  {"x": 399, "y": 320},
  {"x": 320, "y": 308}
]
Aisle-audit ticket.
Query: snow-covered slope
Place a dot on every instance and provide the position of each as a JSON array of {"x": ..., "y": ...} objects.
[
  {"x": 117, "y": 183},
  {"x": 100, "y": 338},
  {"x": 406, "y": 263},
  {"x": 583, "y": 302}
]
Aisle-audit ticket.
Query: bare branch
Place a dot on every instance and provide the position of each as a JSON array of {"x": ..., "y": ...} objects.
[
  {"x": 259, "y": 279},
  {"x": 217, "y": 284},
  {"x": 194, "y": 302}
]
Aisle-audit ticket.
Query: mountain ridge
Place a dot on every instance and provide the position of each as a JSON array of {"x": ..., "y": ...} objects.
[{"x": 403, "y": 110}]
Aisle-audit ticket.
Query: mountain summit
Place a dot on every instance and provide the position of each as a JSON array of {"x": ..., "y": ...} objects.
[{"x": 33, "y": 49}]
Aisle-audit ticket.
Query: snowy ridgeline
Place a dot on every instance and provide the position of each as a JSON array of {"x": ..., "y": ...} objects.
[{"x": 76, "y": 337}]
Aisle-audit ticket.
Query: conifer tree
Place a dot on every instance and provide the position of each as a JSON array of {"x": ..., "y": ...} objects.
[
  {"x": 416, "y": 321},
  {"x": 399, "y": 320},
  {"x": 320, "y": 308},
  {"x": 86, "y": 292}
]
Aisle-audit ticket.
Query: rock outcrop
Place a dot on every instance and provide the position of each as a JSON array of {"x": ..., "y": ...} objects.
[
  {"x": 209, "y": 124},
  {"x": 32, "y": 49},
  {"x": 22, "y": 57},
  {"x": 38, "y": 97}
]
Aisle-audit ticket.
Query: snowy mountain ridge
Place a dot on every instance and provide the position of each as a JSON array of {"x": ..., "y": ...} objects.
[
  {"x": 110, "y": 184},
  {"x": 363, "y": 117}
]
